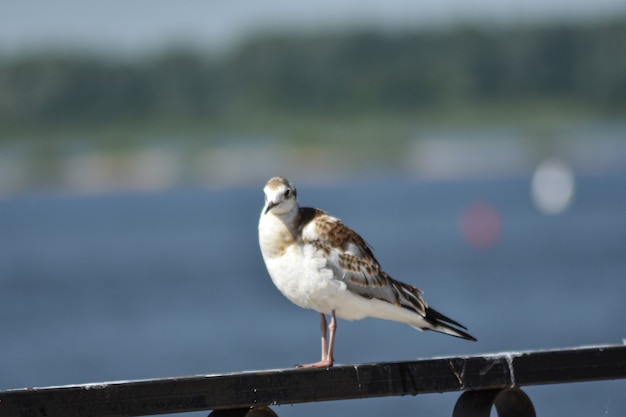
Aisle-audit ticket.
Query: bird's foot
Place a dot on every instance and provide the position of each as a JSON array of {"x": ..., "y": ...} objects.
[{"x": 327, "y": 363}]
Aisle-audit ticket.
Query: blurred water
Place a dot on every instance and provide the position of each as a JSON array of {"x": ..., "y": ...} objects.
[{"x": 134, "y": 286}]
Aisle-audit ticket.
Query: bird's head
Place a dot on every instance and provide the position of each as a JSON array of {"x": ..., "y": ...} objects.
[{"x": 280, "y": 196}]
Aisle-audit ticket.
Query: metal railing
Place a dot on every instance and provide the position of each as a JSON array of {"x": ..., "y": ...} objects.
[{"x": 487, "y": 381}]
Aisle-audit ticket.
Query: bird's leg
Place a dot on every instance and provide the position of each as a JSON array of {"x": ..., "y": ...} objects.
[
  {"x": 332, "y": 327},
  {"x": 327, "y": 344},
  {"x": 324, "y": 330}
]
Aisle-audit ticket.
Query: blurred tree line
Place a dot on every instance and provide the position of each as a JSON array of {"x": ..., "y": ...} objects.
[{"x": 322, "y": 74}]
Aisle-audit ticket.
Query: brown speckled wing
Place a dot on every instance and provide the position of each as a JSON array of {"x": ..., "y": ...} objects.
[{"x": 352, "y": 261}]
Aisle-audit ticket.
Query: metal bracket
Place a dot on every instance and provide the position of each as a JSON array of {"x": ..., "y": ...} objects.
[{"x": 510, "y": 402}]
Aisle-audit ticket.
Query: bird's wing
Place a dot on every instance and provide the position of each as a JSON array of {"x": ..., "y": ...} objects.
[{"x": 352, "y": 261}]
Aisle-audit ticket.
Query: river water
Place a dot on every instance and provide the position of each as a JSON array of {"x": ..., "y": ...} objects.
[{"x": 132, "y": 286}]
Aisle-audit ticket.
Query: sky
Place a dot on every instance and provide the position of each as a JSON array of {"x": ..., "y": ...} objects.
[{"x": 132, "y": 26}]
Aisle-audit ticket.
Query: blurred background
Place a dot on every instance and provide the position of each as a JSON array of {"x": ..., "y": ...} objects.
[{"x": 479, "y": 147}]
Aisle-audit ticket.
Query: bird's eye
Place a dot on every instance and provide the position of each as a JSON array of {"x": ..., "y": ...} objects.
[{"x": 287, "y": 192}]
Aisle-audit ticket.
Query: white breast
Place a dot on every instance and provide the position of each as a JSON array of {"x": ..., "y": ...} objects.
[{"x": 297, "y": 269}]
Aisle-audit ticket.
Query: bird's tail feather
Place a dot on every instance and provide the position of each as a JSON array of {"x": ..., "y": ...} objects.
[{"x": 443, "y": 324}]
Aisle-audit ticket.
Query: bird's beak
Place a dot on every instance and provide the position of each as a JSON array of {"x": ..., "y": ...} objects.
[{"x": 270, "y": 205}]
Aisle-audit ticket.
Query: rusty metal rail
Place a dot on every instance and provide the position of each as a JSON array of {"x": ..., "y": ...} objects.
[{"x": 487, "y": 381}]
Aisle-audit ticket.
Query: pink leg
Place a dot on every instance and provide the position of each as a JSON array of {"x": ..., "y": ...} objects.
[
  {"x": 327, "y": 344},
  {"x": 331, "y": 342},
  {"x": 323, "y": 328}
]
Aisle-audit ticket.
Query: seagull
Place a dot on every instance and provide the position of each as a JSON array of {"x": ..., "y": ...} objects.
[{"x": 319, "y": 263}]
